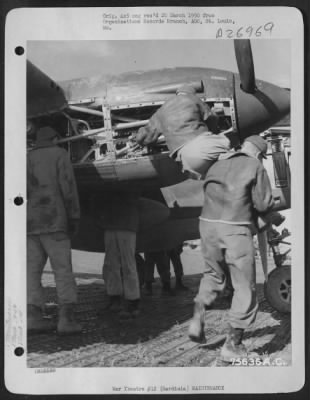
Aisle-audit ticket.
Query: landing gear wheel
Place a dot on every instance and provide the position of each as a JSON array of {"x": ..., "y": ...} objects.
[{"x": 278, "y": 289}]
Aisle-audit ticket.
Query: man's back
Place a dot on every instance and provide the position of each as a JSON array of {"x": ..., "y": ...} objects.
[
  {"x": 42, "y": 167},
  {"x": 51, "y": 190},
  {"x": 180, "y": 119},
  {"x": 233, "y": 187},
  {"x": 183, "y": 113}
]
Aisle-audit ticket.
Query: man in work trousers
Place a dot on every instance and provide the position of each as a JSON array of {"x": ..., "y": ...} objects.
[
  {"x": 237, "y": 189},
  {"x": 53, "y": 214},
  {"x": 161, "y": 259},
  {"x": 175, "y": 257},
  {"x": 121, "y": 223}
]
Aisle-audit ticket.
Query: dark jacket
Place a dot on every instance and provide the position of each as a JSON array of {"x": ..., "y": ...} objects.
[
  {"x": 236, "y": 190},
  {"x": 120, "y": 212},
  {"x": 52, "y": 197},
  {"x": 180, "y": 119}
]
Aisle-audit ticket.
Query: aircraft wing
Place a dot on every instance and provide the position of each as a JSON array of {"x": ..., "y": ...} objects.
[{"x": 44, "y": 96}]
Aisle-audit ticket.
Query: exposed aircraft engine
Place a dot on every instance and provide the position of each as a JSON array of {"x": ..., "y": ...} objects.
[
  {"x": 98, "y": 118},
  {"x": 93, "y": 135}
]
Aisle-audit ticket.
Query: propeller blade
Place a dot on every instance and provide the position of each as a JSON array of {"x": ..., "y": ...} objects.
[{"x": 245, "y": 64}]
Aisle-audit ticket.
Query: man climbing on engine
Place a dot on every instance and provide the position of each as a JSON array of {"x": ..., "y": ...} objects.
[{"x": 191, "y": 132}]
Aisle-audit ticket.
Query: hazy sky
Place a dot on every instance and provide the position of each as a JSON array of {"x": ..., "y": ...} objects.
[{"x": 63, "y": 60}]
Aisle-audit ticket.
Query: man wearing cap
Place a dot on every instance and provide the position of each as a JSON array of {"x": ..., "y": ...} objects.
[
  {"x": 53, "y": 214},
  {"x": 190, "y": 129},
  {"x": 237, "y": 189}
]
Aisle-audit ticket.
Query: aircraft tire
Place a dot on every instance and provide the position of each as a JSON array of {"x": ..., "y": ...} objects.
[{"x": 278, "y": 289}]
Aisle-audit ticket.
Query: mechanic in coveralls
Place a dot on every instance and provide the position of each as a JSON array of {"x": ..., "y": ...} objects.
[
  {"x": 162, "y": 261},
  {"x": 53, "y": 214},
  {"x": 191, "y": 132},
  {"x": 175, "y": 257},
  {"x": 237, "y": 189},
  {"x": 121, "y": 222}
]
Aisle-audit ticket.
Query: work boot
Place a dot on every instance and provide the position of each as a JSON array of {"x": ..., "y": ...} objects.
[
  {"x": 131, "y": 309},
  {"x": 67, "y": 324},
  {"x": 148, "y": 288},
  {"x": 233, "y": 347},
  {"x": 167, "y": 290},
  {"x": 114, "y": 303},
  {"x": 36, "y": 323},
  {"x": 196, "y": 326},
  {"x": 179, "y": 285}
]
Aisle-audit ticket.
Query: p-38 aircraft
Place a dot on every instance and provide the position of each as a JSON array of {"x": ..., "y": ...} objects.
[{"x": 98, "y": 117}]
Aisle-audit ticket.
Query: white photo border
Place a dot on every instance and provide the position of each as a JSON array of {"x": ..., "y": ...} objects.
[{"x": 27, "y": 24}]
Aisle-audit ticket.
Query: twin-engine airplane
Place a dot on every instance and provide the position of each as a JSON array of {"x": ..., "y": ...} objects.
[{"x": 97, "y": 118}]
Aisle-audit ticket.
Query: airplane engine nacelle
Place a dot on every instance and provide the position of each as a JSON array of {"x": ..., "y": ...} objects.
[{"x": 135, "y": 173}]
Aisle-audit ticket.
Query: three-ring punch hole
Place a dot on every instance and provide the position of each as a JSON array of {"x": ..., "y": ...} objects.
[
  {"x": 19, "y": 50},
  {"x": 19, "y": 351},
  {"x": 18, "y": 201}
]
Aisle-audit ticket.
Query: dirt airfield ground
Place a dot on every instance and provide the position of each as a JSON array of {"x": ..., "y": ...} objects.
[{"x": 158, "y": 337}]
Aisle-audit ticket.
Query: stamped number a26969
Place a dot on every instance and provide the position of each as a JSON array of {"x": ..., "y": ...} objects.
[{"x": 245, "y": 31}]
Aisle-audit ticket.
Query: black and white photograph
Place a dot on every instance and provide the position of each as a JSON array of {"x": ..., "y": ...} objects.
[{"x": 160, "y": 185}]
